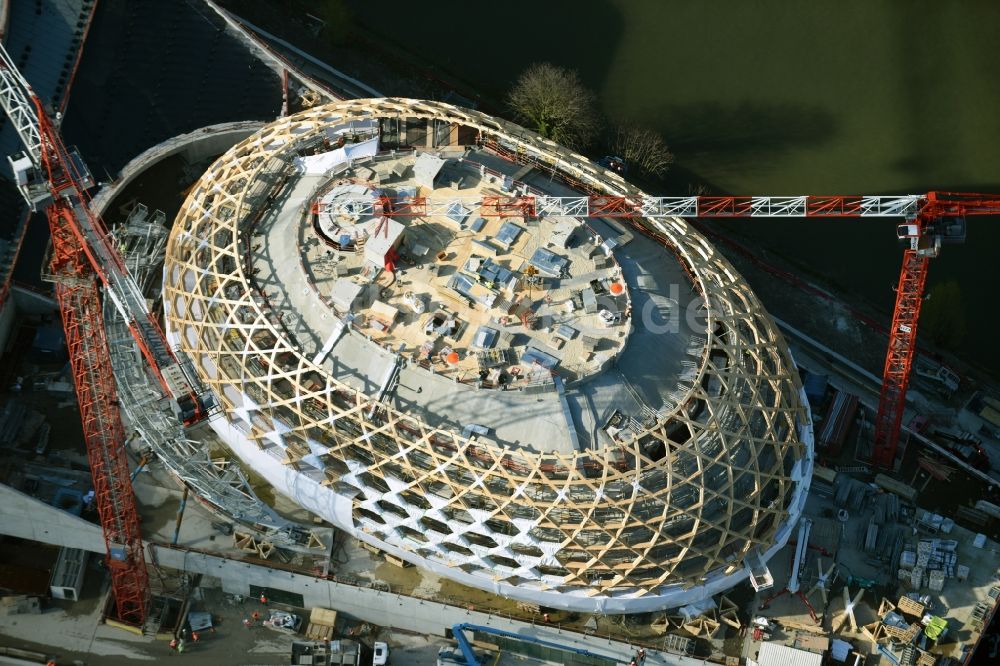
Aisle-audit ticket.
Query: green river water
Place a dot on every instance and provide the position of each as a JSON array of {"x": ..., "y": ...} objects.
[{"x": 772, "y": 97}]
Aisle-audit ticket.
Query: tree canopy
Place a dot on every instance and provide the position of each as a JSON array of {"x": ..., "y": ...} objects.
[
  {"x": 554, "y": 102},
  {"x": 642, "y": 149}
]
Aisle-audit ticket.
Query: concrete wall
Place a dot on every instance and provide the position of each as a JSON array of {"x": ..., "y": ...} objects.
[
  {"x": 27, "y": 518},
  {"x": 388, "y": 609},
  {"x": 31, "y": 302},
  {"x": 194, "y": 146},
  {"x": 262, "y": 44}
]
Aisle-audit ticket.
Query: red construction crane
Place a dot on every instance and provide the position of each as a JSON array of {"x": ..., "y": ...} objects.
[
  {"x": 940, "y": 219},
  {"x": 54, "y": 178},
  {"x": 929, "y": 220}
]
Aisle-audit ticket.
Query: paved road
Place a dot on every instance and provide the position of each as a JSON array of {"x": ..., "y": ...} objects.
[{"x": 337, "y": 83}]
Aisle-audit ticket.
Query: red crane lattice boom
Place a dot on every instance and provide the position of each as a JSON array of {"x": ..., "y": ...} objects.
[
  {"x": 78, "y": 295},
  {"x": 926, "y": 227},
  {"x": 84, "y": 259}
]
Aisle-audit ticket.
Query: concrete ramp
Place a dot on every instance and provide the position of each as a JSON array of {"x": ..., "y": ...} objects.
[{"x": 25, "y": 517}]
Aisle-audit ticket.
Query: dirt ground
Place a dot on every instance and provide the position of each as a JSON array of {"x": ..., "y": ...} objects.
[{"x": 70, "y": 633}]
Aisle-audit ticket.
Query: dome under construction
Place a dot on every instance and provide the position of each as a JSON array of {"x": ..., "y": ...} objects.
[{"x": 420, "y": 327}]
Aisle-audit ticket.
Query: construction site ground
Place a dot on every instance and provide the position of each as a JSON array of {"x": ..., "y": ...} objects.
[
  {"x": 73, "y": 631},
  {"x": 159, "y": 498},
  {"x": 940, "y": 495},
  {"x": 841, "y": 539}
]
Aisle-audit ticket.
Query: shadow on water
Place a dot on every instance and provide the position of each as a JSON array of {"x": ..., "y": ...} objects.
[{"x": 745, "y": 132}]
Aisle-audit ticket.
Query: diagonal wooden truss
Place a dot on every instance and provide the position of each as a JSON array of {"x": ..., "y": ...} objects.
[{"x": 599, "y": 522}]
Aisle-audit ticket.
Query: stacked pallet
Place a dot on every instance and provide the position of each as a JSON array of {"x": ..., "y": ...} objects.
[
  {"x": 910, "y": 607},
  {"x": 904, "y": 635},
  {"x": 322, "y": 623}
]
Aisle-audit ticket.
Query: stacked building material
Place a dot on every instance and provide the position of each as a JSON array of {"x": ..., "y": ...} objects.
[
  {"x": 935, "y": 580},
  {"x": 322, "y": 623},
  {"x": 910, "y": 607}
]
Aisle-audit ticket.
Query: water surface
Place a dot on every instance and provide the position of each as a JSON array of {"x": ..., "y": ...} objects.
[{"x": 772, "y": 97}]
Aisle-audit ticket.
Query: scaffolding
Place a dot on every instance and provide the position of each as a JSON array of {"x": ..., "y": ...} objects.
[{"x": 218, "y": 481}]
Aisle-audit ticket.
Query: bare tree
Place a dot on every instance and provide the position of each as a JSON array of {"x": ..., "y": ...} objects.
[
  {"x": 556, "y": 104},
  {"x": 641, "y": 148}
]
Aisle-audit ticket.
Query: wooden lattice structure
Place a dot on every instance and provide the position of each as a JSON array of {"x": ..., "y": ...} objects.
[{"x": 593, "y": 526}]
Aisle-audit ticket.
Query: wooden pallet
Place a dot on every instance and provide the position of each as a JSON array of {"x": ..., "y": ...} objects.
[
  {"x": 910, "y": 607},
  {"x": 528, "y": 607},
  {"x": 319, "y": 632},
  {"x": 322, "y": 623}
]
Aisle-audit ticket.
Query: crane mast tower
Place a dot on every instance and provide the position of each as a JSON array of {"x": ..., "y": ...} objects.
[{"x": 83, "y": 259}]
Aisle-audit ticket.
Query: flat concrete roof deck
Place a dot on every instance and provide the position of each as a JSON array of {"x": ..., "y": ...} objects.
[{"x": 630, "y": 366}]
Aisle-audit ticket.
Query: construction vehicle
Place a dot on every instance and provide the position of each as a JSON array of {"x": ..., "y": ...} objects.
[
  {"x": 472, "y": 659},
  {"x": 794, "y": 585},
  {"x": 83, "y": 260},
  {"x": 965, "y": 446},
  {"x": 937, "y": 376},
  {"x": 614, "y": 163},
  {"x": 380, "y": 653}
]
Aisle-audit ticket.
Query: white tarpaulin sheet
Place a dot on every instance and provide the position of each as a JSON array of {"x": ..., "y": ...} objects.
[
  {"x": 365, "y": 126},
  {"x": 317, "y": 165}
]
